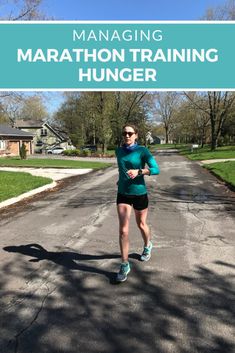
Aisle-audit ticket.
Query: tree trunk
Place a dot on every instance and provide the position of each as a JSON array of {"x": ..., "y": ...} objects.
[
  {"x": 167, "y": 134},
  {"x": 213, "y": 133}
]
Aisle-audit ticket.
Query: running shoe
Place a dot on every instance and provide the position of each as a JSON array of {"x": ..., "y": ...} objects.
[
  {"x": 123, "y": 272},
  {"x": 146, "y": 254}
]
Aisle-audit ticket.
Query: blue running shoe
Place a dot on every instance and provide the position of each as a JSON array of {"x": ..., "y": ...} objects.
[
  {"x": 146, "y": 254},
  {"x": 123, "y": 272}
]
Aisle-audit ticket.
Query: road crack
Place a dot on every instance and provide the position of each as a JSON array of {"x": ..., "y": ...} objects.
[{"x": 16, "y": 339}]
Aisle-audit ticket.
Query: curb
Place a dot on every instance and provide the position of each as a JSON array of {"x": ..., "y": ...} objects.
[{"x": 16, "y": 199}]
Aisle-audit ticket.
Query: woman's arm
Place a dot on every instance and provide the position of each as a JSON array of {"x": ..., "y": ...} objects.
[
  {"x": 153, "y": 168},
  {"x": 152, "y": 164}
]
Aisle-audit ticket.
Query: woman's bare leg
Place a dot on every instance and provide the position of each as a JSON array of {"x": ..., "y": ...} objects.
[
  {"x": 124, "y": 213},
  {"x": 141, "y": 217}
]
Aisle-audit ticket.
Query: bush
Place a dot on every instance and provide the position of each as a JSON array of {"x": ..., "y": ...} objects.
[
  {"x": 88, "y": 153},
  {"x": 77, "y": 153},
  {"x": 71, "y": 152},
  {"x": 85, "y": 153},
  {"x": 23, "y": 151},
  {"x": 111, "y": 147}
]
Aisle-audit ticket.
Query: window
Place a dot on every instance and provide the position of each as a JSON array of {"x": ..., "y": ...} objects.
[
  {"x": 43, "y": 132},
  {"x": 2, "y": 145}
]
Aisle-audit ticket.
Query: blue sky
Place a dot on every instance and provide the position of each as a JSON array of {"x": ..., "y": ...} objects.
[{"x": 128, "y": 9}]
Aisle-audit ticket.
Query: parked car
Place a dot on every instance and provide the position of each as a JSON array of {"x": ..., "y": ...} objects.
[
  {"x": 38, "y": 147},
  {"x": 71, "y": 147},
  {"x": 91, "y": 148},
  {"x": 55, "y": 150},
  {"x": 38, "y": 150}
]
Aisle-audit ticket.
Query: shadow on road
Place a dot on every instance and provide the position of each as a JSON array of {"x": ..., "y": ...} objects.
[
  {"x": 67, "y": 259},
  {"x": 149, "y": 313}
]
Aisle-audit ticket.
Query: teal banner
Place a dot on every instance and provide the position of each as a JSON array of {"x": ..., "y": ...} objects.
[{"x": 117, "y": 55}]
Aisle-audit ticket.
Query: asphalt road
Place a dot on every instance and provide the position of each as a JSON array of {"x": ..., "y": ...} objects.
[{"x": 59, "y": 254}]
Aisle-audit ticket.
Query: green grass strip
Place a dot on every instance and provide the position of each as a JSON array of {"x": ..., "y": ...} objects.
[
  {"x": 13, "y": 184},
  {"x": 51, "y": 163},
  {"x": 205, "y": 153},
  {"x": 224, "y": 170}
]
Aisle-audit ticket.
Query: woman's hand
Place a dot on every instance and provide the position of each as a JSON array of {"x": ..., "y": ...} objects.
[{"x": 133, "y": 173}]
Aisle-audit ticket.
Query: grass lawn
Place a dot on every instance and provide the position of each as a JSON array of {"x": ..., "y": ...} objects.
[
  {"x": 13, "y": 184},
  {"x": 165, "y": 146},
  {"x": 50, "y": 163},
  {"x": 225, "y": 170},
  {"x": 205, "y": 153}
]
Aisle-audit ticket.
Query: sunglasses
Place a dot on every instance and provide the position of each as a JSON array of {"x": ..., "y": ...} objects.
[{"x": 126, "y": 133}]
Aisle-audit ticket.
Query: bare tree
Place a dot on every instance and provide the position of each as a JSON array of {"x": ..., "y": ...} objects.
[
  {"x": 33, "y": 108},
  {"x": 21, "y": 10},
  {"x": 166, "y": 107},
  {"x": 224, "y": 12},
  {"x": 11, "y": 103}
]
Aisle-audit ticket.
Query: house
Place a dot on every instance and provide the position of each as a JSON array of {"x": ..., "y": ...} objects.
[
  {"x": 44, "y": 134},
  {"x": 152, "y": 139},
  {"x": 11, "y": 140},
  {"x": 159, "y": 139}
]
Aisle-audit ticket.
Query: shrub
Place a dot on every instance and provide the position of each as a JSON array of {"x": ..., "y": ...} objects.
[
  {"x": 23, "y": 151},
  {"x": 71, "y": 152},
  {"x": 85, "y": 153}
]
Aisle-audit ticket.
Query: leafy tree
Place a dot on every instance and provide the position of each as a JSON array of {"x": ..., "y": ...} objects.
[
  {"x": 70, "y": 117},
  {"x": 191, "y": 124},
  {"x": 98, "y": 117},
  {"x": 217, "y": 106}
]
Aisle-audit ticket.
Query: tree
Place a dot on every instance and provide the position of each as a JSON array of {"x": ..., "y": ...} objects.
[
  {"x": 10, "y": 106},
  {"x": 23, "y": 151},
  {"x": 18, "y": 105},
  {"x": 128, "y": 107},
  {"x": 33, "y": 108},
  {"x": 167, "y": 104},
  {"x": 98, "y": 117},
  {"x": 71, "y": 119},
  {"x": 190, "y": 124},
  {"x": 228, "y": 129},
  {"x": 217, "y": 106},
  {"x": 224, "y": 12},
  {"x": 17, "y": 10},
  {"x": 3, "y": 116},
  {"x": 21, "y": 10}
]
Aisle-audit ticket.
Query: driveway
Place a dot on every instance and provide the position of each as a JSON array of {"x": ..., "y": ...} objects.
[
  {"x": 60, "y": 253},
  {"x": 56, "y": 174},
  {"x": 53, "y": 173}
]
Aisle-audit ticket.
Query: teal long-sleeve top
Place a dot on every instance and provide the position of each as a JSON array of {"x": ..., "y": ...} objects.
[{"x": 135, "y": 159}]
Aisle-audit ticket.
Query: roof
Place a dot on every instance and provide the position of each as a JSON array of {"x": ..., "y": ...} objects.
[
  {"x": 36, "y": 124},
  {"x": 61, "y": 133},
  {"x": 6, "y": 130},
  {"x": 33, "y": 124}
]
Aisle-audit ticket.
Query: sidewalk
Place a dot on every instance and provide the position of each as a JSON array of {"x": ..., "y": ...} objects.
[
  {"x": 55, "y": 174},
  {"x": 210, "y": 161}
]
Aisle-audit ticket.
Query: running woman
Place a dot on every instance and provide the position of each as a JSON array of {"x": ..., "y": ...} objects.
[{"x": 132, "y": 159}]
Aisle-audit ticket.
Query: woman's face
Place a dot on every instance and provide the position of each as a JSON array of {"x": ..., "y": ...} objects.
[{"x": 129, "y": 135}]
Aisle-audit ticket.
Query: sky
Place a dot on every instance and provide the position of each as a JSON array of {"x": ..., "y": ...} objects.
[{"x": 128, "y": 9}]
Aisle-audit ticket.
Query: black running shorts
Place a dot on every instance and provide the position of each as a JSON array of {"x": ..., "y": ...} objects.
[{"x": 139, "y": 202}]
